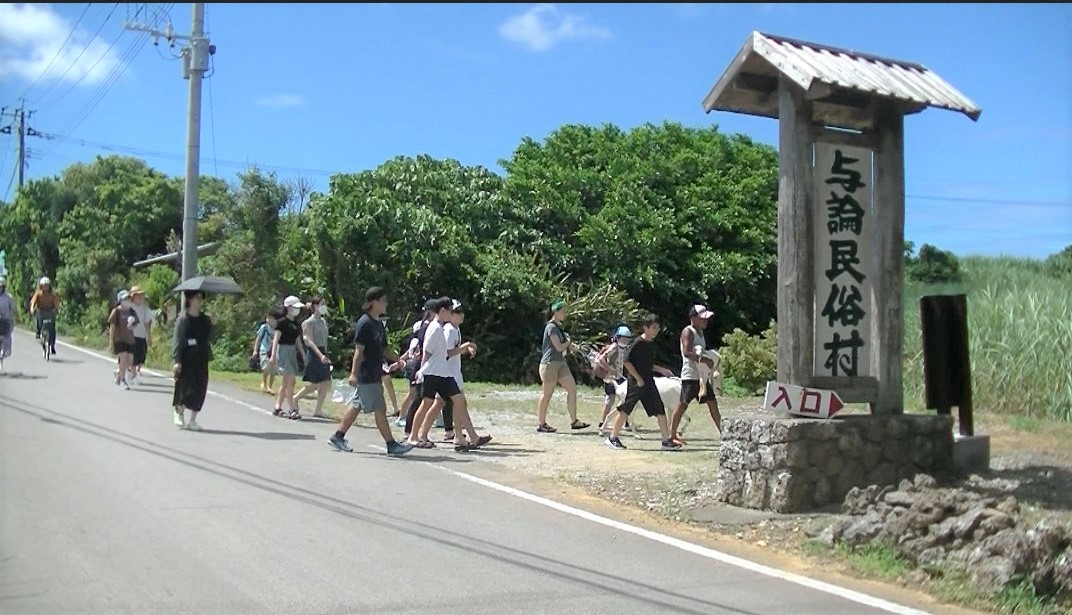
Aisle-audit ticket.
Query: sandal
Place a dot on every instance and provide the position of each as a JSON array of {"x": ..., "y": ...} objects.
[
  {"x": 578, "y": 424},
  {"x": 424, "y": 444},
  {"x": 483, "y": 440},
  {"x": 279, "y": 412},
  {"x": 463, "y": 448},
  {"x": 294, "y": 415},
  {"x": 448, "y": 437},
  {"x": 545, "y": 428}
]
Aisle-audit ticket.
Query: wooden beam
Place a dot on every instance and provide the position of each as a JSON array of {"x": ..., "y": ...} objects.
[
  {"x": 796, "y": 253},
  {"x": 818, "y": 91},
  {"x": 887, "y": 277},
  {"x": 756, "y": 83},
  {"x": 839, "y": 137}
]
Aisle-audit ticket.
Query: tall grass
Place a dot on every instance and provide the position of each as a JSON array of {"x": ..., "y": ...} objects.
[{"x": 1019, "y": 336}]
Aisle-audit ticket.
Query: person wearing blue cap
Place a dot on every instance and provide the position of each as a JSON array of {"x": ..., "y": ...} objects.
[{"x": 610, "y": 366}]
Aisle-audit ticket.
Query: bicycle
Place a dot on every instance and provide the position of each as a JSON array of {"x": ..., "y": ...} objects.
[{"x": 48, "y": 336}]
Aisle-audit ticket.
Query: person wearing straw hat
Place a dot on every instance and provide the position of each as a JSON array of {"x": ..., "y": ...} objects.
[
  {"x": 121, "y": 323},
  {"x": 555, "y": 371},
  {"x": 143, "y": 329}
]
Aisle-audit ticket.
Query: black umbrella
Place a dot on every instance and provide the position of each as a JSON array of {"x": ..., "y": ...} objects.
[{"x": 210, "y": 284}]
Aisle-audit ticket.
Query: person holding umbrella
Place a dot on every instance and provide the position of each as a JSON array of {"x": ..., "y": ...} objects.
[{"x": 191, "y": 350}]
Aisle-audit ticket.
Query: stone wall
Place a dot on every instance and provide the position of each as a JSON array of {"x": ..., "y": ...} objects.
[{"x": 797, "y": 465}]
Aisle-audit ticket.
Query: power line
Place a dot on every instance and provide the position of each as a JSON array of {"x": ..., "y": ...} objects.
[
  {"x": 59, "y": 51},
  {"x": 309, "y": 171},
  {"x": 82, "y": 53}
]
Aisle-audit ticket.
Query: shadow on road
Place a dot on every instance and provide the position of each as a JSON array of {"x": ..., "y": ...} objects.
[
  {"x": 21, "y": 376},
  {"x": 1037, "y": 484},
  {"x": 264, "y": 435},
  {"x": 607, "y": 580}
]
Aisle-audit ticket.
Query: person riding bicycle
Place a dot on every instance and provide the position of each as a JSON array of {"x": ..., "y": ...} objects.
[
  {"x": 44, "y": 304},
  {"x": 7, "y": 320}
]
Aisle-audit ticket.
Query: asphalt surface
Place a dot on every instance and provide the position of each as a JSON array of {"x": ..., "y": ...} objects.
[{"x": 110, "y": 508}]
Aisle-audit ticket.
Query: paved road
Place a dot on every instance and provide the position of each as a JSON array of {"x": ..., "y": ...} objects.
[{"x": 109, "y": 508}]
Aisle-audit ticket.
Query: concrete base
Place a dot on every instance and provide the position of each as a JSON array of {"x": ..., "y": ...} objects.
[{"x": 971, "y": 454}]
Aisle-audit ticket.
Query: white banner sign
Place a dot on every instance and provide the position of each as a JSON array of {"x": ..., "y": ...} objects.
[{"x": 844, "y": 230}]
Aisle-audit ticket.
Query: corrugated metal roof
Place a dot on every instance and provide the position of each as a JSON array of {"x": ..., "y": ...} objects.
[{"x": 811, "y": 66}]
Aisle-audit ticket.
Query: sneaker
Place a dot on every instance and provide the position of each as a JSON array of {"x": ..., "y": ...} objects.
[
  {"x": 670, "y": 445},
  {"x": 614, "y": 443},
  {"x": 178, "y": 419},
  {"x": 401, "y": 422},
  {"x": 192, "y": 425},
  {"x": 126, "y": 386},
  {"x": 396, "y": 449},
  {"x": 340, "y": 444}
]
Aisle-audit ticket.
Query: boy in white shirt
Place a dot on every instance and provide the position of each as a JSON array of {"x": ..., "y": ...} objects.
[{"x": 438, "y": 378}]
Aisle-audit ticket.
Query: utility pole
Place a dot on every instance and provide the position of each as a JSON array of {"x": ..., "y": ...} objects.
[
  {"x": 21, "y": 129},
  {"x": 195, "y": 59}
]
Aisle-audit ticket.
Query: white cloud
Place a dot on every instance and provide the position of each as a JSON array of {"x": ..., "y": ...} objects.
[
  {"x": 31, "y": 35},
  {"x": 543, "y": 26},
  {"x": 281, "y": 101}
]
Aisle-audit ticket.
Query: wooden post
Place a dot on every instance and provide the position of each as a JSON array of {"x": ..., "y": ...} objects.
[
  {"x": 887, "y": 289},
  {"x": 796, "y": 284}
]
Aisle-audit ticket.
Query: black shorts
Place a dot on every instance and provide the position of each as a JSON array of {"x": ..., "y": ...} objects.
[
  {"x": 610, "y": 389},
  {"x": 444, "y": 386},
  {"x": 647, "y": 395},
  {"x": 690, "y": 390},
  {"x": 123, "y": 347},
  {"x": 141, "y": 349}
]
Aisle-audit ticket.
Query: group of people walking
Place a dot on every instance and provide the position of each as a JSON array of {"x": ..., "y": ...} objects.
[
  {"x": 286, "y": 344},
  {"x": 632, "y": 360}
]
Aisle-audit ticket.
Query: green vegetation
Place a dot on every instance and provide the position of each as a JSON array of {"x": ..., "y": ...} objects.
[{"x": 616, "y": 222}]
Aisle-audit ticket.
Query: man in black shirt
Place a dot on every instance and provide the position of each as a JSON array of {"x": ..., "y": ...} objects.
[
  {"x": 366, "y": 375},
  {"x": 641, "y": 367}
]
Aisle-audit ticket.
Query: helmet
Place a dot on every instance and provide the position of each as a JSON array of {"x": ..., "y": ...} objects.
[
  {"x": 623, "y": 331},
  {"x": 44, "y": 281}
]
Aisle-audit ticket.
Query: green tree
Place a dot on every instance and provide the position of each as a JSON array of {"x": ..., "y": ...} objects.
[
  {"x": 933, "y": 266},
  {"x": 668, "y": 214}
]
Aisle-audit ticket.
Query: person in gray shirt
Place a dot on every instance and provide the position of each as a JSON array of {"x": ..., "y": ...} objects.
[
  {"x": 554, "y": 370},
  {"x": 317, "y": 364},
  {"x": 7, "y": 320}
]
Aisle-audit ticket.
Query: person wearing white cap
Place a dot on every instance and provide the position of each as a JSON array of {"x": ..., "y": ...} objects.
[
  {"x": 44, "y": 304},
  {"x": 285, "y": 346},
  {"x": 121, "y": 322},
  {"x": 7, "y": 320},
  {"x": 692, "y": 338}
]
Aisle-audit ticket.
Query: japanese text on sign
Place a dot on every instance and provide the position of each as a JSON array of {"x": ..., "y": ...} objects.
[{"x": 843, "y": 232}]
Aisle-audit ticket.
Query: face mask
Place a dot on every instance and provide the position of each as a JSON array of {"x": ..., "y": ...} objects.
[
  {"x": 623, "y": 342},
  {"x": 293, "y": 311},
  {"x": 323, "y": 309}
]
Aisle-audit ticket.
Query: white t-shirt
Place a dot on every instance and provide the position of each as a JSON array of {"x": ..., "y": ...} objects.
[
  {"x": 454, "y": 339},
  {"x": 145, "y": 316},
  {"x": 435, "y": 352}
]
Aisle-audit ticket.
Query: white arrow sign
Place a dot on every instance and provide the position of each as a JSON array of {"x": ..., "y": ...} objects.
[{"x": 801, "y": 401}]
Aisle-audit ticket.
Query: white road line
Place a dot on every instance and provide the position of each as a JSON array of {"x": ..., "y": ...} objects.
[
  {"x": 156, "y": 374},
  {"x": 725, "y": 558}
]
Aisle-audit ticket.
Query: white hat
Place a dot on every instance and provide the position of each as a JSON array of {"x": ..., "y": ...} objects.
[
  {"x": 701, "y": 311},
  {"x": 293, "y": 301},
  {"x": 44, "y": 281},
  {"x": 123, "y": 295}
]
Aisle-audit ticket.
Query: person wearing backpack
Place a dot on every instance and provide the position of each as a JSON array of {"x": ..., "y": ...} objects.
[
  {"x": 609, "y": 366},
  {"x": 260, "y": 355}
]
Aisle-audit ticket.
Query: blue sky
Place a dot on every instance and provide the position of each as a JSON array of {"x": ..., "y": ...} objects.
[{"x": 319, "y": 89}]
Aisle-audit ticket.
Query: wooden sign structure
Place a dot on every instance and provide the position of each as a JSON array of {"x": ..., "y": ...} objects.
[{"x": 840, "y": 205}]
